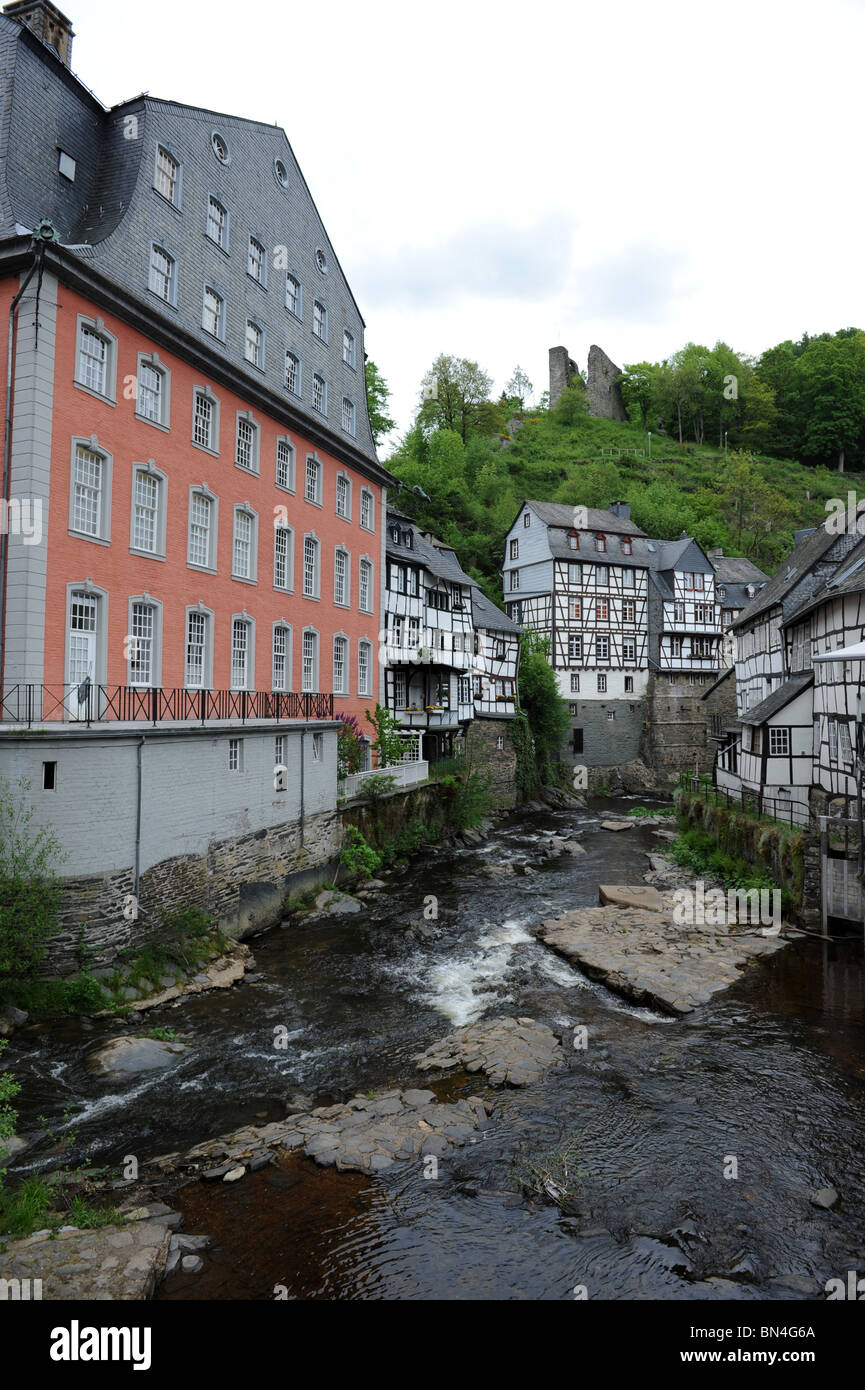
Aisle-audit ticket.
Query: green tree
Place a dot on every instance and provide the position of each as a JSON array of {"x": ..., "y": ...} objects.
[
  {"x": 453, "y": 393},
  {"x": 519, "y": 388},
  {"x": 544, "y": 707},
  {"x": 832, "y": 391},
  {"x": 377, "y": 399},
  {"x": 389, "y": 745}
]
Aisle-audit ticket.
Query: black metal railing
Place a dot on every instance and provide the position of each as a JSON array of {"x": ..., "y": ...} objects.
[
  {"x": 752, "y": 803},
  {"x": 99, "y": 704}
]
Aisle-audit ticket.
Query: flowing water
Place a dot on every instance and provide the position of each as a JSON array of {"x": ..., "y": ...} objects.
[{"x": 768, "y": 1080}]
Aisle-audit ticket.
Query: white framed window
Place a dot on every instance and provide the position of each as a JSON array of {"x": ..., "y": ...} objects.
[
  {"x": 317, "y": 748},
  {"x": 283, "y": 558},
  {"x": 313, "y": 485},
  {"x": 575, "y": 649},
  {"x": 602, "y": 685},
  {"x": 629, "y": 685},
  {"x": 348, "y": 349},
  {"x": 627, "y": 578},
  {"x": 281, "y": 671},
  {"x": 201, "y": 541},
  {"x": 364, "y": 586},
  {"x": 343, "y": 497},
  {"x": 341, "y": 592},
  {"x": 205, "y": 420},
  {"x": 309, "y": 667},
  {"x": 141, "y": 663},
  {"x": 602, "y": 576},
  {"x": 846, "y": 744},
  {"x": 779, "y": 742},
  {"x": 148, "y": 510},
  {"x": 256, "y": 260},
  {"x": 611, "y": 714},
  {"x": 629, "y": 649},
  {"x": 213, "y": 315},
  {"x": 246, "y": 444},
  {"x": 367, "y": 510},
  {"x": 602, "y": 648},
  {"x": 66, "y": 165},
  {"x": 319, "y": 394},
  {"x": 575, "y": 685},
  {"x": 241, "y": 654},
  {"x": 167, "y": 175},
  {"x": 286, "y": 459},
  {"x": 675, "y": 646},
  {"x": 293, "y": 296},
  {"x": 513, "y": 550},
  {"x": 243, "y": 552},
  {"x": 527, "y": 518},
  {"x": 515, "y": 579},
  {"x": 347, "y": 415},
  {"x": 163, "y": 274},
  {"x": 311, "y": 567},
  {"x": 293, "y": 374},
  {"x": 198, "y": 649},
  {"x": 833, "y": 740},
  {"x": 219, "y": 145},
  {"x": 629, "y": 611},
  {"x": 364, "y": 667},
  {"x": 254, "y": 349},
  {"x": 235, "y": 755},
  {"x": 153, "y": 392},
  {"x": 319, "y": 320},
  {"x": 217, "y": 222},
  {"x": 340, "y": 665},
  {"x": 90, "y": 492},
  {"x": 96, "y": 359}
]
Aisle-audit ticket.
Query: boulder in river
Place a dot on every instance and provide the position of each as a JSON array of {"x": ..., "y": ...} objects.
[
  {"x": 824, "y": 1197},
  {"x": 126, "y": 1055}
]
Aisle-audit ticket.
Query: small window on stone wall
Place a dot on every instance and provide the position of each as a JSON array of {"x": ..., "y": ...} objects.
[{"x": 49, "y": 777}]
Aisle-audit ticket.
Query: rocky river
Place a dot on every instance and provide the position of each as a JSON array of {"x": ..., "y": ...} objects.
[{"x": 692, "y": 1146}]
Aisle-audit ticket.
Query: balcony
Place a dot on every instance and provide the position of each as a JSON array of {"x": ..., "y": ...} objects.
[
  {"x": 427, "y": 717},
  {"x": 88, "y": 704}
]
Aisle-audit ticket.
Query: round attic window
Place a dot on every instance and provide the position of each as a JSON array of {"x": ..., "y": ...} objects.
[
  {"x": 281, "y": 173},
  {"x": 321, "y": 261},
  {"x": 219, "y": 145}
]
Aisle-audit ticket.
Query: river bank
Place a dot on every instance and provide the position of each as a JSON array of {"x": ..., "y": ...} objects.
[{"x": 361, "y": 998}]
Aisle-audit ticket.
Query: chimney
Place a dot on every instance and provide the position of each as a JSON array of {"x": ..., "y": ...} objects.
[
  {"x": 48, "y": 24},
  {"x": 621, "y": 509},
  {"x": 716, "y": 553}
]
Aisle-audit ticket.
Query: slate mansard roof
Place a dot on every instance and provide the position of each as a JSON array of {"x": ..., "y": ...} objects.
[
  {"x": 560, "y": 514},
  {"x": 112, "y": 205},
  {"x": 439, "y": 561},
  {"x": 487, "y": 617},
  {"x": 802, "y": 559}
]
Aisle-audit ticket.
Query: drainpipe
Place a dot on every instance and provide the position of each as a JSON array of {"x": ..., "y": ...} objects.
[
  {"x": 302, "y": 773},
  {"x": 7, "y": 447},
  {"x": 138, "y": 815}
]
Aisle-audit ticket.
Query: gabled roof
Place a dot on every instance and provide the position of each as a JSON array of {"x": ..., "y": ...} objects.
[
  {"x": 440, "y": 560},
  {"x": 735, "y": 569},
  {"x": 801, "y": 560},
  {"x": 778, "y": 699},
  {"x": 561, "y": 514},
  {"x": 486, "y": 615}
]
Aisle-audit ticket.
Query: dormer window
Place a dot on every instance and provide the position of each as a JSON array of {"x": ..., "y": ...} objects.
[
  {"x": 627, "y": 547},
  {"x": 394, "y": 534},
  {"x": 407, "y": 542},
  {"x": 600, "y": 541},
  {"x": 573, "y": 539}
]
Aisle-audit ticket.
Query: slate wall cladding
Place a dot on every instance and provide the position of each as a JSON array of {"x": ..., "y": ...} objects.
[
  {"x": 606, "y": 742},
  {"x": 676, "y": 730},
  {"x": 112, "y": 203}
]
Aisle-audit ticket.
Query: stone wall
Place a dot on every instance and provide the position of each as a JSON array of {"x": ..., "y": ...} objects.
[
  {"x": 562, "y": 371},
  {"x": 605, "y": 396},
  {"x": 498, "y": 763},
  {"x": 676, "y": 730}
]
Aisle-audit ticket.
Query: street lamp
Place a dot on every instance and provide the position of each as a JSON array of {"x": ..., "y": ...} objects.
[
  {"x": 650, "y": 444},
  {"x": 725, "y": 444}
]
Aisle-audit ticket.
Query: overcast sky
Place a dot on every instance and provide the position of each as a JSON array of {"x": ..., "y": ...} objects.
[{"x": 500, "y": 178}]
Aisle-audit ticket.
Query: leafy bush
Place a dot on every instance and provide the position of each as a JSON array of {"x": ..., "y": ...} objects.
[
  {"x": 358, "y": 856},
  {"x": 29, "y": 889},
  {"x": 390, "y": 745},
  {"x": 349, "y": 746},
  {"x": 468, "y": 799},
  {"x": 378, "y": 785}
]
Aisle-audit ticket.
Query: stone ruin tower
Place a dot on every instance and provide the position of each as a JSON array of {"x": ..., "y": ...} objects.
[{"x": 605, "y": 396}]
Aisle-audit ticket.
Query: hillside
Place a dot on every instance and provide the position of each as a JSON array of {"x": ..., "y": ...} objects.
[{"x": 747, "y": 503}]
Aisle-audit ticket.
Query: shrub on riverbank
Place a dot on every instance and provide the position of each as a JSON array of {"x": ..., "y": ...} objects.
[{"x": 29, "y": 887}]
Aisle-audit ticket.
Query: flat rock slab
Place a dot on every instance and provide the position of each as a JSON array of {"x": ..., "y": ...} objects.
[
  {"x": 220, "y": 974},
  {"x": 648, "y": 958},
  {"x": 617, "y": 825},
  {"x": 367, "y": 1133},
  {"x": 113, "y": 1262},
  {"x": 128, "y": 1056},
  {"x": 631, "y": 895},
  {"x": 512, "y": 1051}
]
